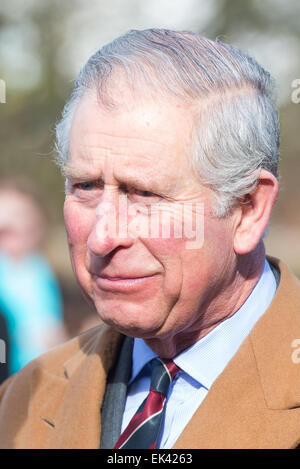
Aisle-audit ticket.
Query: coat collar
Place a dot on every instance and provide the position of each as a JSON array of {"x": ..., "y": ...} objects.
[
  {"x": 255, "y": 402},
  {"x": 273, "y": 343},
  {"x": 65, "y": 404}
]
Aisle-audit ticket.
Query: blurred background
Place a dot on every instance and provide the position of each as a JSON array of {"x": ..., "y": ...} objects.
[{"x": 43, "y": 45}]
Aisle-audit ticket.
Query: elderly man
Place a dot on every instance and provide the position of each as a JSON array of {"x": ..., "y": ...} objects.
[{"x": 169, "y": 145}]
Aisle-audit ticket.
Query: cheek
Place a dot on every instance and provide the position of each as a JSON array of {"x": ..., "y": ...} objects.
[
  {"x": 169, "y": 253},
  {"x": 189, "y": 273},
  {"x": 218, "y": 244},
  {"x": 78, "y": 224},
  {"x": 204, "y": 268}
]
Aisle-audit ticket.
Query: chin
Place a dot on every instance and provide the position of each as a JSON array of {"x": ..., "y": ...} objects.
[{"x": 130, "y": 320}]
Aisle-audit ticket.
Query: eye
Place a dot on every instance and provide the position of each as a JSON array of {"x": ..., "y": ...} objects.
[
  {"x": 144, "y": 196},
  {"x": 144, "y": 193},
  {"x": 85, "y": 186},
  {"x": 88, "y": 186},
  {"x": 87, "y": 190}
]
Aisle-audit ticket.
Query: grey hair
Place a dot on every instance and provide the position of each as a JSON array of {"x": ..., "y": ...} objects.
[{"x": 236, "y": 129}]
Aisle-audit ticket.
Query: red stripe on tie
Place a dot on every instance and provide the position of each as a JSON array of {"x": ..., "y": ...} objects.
[
  {"x": 143, "y": 430},
  {"x": 154, "y": 404},
  {"x": 172, "y": 368}
]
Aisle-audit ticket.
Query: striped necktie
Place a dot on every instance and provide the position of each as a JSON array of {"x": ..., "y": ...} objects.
[{"x": 144, "y": 427}]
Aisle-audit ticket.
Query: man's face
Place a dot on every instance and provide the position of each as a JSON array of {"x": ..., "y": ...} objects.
[{"x": 145, "y": 286}]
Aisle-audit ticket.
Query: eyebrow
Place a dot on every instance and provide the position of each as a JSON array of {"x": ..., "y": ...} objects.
[{"x": 75, "y": 174}]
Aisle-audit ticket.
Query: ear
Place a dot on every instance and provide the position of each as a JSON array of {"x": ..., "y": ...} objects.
[{"x": 253, "y": 215}]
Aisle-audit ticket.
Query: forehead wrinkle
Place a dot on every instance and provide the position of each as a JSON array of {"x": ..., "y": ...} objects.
[
  {"x": 113, "y": 146},
  {"x": 119, "y": 145},
  {"x": 127, "y": 137},
  {"x": 101, "y": 151}
]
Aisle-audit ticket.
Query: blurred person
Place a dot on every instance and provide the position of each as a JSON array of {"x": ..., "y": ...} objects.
[
  {"x": 197, "y": 349},
  {"x": 29, "y": 293}
]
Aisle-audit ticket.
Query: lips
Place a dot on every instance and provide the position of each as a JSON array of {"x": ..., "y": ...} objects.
[
  {"x": 122, "y": 277},
  {"x": 122, "y": 283}
]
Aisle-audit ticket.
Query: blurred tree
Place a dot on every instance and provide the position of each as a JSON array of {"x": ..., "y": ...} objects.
[{"x": 271, "y": 19}]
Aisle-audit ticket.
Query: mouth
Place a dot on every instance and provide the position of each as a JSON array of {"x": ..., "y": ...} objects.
[{"x": 107, "y": 283}]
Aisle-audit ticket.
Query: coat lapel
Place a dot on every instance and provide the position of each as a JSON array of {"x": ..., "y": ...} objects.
[
  {"x": 65, "y": 408},
  {"x": 255, "y": 402}
]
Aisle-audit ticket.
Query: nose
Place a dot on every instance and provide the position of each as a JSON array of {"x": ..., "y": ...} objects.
[{"x": 109, "y": 230}]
